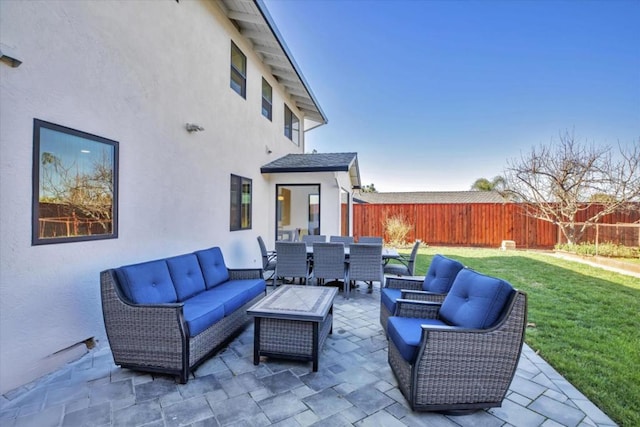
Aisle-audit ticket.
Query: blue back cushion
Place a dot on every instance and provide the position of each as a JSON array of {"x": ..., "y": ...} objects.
[
  {"x": 186, "y": 274},
  {"x": 441, "y": 274},
  {"x": 475, "y": 300},
  {"x": 213, "y": 268},
  {"x": 147, "y": 283}
]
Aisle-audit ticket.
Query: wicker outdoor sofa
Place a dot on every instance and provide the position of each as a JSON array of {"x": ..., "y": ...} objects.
[{"x": 170, "y": 315}]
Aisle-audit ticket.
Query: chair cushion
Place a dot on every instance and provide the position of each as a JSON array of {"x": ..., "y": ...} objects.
[
  {"x": 186, "y": 275},
  {"x": 202, "y": 311},
  {"x": 213, "y": 267},
  {"x": 405, "y": 332},
  {"x": 475, "y": 300},
  {"x": 441, "y": 274},
  {"x": 251, "y": 287},
  {"x": 232, "y": 297},
  {"x": 388, "y": 297},
  {"x": 147, "y": 283}
]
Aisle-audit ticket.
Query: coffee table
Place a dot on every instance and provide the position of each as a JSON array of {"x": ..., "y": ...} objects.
[{"x": 293, "y": 322}]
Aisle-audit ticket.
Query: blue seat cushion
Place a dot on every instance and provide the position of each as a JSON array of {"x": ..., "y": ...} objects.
[
  {"x": 388, "y": 297},
  {"x": 147, "y": 283},
  {"x": 213, "y": 267},
  {"x": 186, "y": 275},
  {"x": 231, "y": 297},
  {"x": 405, "y": 332},
  {"x": 441, "y": 274},
  {"x": 475, "y": 300},
  {"x": 251, "y": 287},
  {"x": 202, "y": 311}
]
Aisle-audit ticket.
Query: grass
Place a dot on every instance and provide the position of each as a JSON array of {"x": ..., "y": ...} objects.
[{"x": 587, "y": 321}]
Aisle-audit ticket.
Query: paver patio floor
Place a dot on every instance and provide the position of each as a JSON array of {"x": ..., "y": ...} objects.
[{"x": 353, "y": 386}]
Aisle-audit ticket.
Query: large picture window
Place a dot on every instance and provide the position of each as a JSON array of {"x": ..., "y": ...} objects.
[
  {"x": 291, "y": 125},
  {"x": 75, "y": 185},
  {"x": 240, "y": 203},
  {"x": 238, "y": 71}
]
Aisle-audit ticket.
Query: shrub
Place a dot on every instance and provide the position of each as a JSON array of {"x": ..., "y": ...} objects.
[
  {"x": 607, "y": 249},
  {"x": 396, "y": 229}
]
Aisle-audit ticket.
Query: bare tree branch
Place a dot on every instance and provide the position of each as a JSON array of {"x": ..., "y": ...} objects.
[{"x": 556, "y": 182}]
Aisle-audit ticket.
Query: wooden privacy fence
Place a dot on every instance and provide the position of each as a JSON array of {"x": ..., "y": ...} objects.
[{"x": 473, "y": 224}]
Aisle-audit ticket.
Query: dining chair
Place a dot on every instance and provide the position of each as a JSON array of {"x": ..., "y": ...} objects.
[
  {"x": 329, "y": 262},
  {"x": 405, "y": 265},
  {"x": 365, "y": 263},
  {"x": 268, "y": 259},
  {"x": 347, "y": 240},
  {"x": 310, "y": 239},
  {"x": 371, "y": 239},
  {"x": 291, "y": 261}
]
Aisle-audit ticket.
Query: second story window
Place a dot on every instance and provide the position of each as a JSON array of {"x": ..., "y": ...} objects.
[
  {"x": 291, "y": 126},
  {"x": 267, "y": 99},
  {"x": 238, "y": 71}
]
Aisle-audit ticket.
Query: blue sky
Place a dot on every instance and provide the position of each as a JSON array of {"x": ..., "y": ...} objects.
[{"x": 435, "y": 94}]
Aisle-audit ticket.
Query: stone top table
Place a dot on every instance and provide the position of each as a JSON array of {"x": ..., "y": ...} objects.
[{"x": 293, "y": 322}]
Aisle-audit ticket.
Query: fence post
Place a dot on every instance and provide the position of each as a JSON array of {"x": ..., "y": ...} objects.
[{"x": 597, "y": 236}]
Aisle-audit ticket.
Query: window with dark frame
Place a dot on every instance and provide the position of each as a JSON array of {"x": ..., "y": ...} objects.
[
  {"x": 75, "y": 185},
  {"x": 238, "y": 71},
  {"x": 267, "y": 99},
  {"x": 291, "y": 125},
  {"x": 240, "y": 215}
]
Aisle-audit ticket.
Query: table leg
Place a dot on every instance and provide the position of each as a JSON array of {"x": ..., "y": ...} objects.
[
  {"x": 256, "y": 341},
  {"x": 314, "y": 351}
]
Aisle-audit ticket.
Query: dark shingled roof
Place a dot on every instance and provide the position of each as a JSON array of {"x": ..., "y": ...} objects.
[
  {"x": 312, "y": 162},
  {"x": 430, "y": 197}
]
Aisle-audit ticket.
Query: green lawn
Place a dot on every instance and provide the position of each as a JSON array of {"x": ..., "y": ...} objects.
[{"x": 587, "y": 321}]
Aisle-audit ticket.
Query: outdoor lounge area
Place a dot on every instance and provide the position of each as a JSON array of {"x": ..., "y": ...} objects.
[{"x": 354, "y": 385}]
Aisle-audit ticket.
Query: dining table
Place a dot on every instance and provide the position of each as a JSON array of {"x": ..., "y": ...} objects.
[{"x": 388, "y": 253}]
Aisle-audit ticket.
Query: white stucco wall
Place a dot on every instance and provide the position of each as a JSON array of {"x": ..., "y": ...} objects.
[{"x": 134, "y": 72}]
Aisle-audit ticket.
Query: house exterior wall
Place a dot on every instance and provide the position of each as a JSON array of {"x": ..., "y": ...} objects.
[{"x": 136, "y": 73}]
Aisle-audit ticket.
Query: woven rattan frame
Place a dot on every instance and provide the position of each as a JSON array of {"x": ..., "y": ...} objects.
[
  {"x": 365, "y": 263},
  {"x": 292, "y": 260},
  {"x": 328, "y": 262},
  {"x": 154, "y": 337},
  {"x": 462, "y": 369}
]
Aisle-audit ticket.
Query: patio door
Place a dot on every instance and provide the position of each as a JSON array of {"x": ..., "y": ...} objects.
[{"x": 297, "y": 210}]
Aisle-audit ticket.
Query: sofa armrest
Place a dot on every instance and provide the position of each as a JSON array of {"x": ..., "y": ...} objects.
[
  {"x": 406, "y": 282},
  {"x": 422, "y": 296},
  {"x": 142, "y": 334},
  {"x": 417, "y": 309},
  {"x": 245, "y": 273}
]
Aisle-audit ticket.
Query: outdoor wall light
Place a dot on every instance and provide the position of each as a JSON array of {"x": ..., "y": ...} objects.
[
  {"x": 192, "y": 127},
  {"x": 8, "y": 57}
]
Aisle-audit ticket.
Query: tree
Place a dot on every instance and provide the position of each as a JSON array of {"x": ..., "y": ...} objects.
[
  {"x": 89, "y": 193},
  {"x": 483, "y": 184},
  {"x": 371, "y": 188},
  {"x": 556, "y": 182}
]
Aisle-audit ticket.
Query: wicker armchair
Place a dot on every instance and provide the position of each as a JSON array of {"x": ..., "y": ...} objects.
[
  {"x": 329, "y": 262},
  {"x": 458, "y": 356},
  {"x": 347, "y": 240},
  {"x": 365, "y": 264},
  {"x": 292, "y": 261},
  {"x": 405, "y": 266},
  {"x": 269, "y": 259},
  {"x": 432, "y": 287}
]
